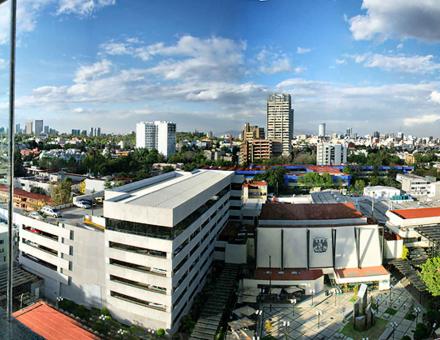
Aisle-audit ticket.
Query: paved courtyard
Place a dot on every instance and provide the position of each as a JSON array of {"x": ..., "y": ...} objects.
[{"x": 335, "y": 313}]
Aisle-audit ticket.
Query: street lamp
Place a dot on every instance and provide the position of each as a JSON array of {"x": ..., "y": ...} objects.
[
  {"x": 394, "y": 325},
  {"x": 259, "y": 313},
  {"x": 335, "y": 293},
  {"x": 312, "y": 291},
  {"x": 391, "y": 287},
  {"x": 318, "y": 314},
  {"x": 293, "y": 302}
]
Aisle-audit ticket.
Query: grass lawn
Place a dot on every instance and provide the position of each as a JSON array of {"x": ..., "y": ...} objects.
[{"x": 373, "y": 333}]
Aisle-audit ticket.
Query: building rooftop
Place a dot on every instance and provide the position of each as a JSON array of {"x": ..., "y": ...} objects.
[
  {"x": 26, "y": 194},
  {"x": 170, "y": 190},
  {"x": 417, "y": 212},
  {"x": 332, "y": 211},
  {"x": 361, "y": 272},
  {"x": 51, "y": 324}
]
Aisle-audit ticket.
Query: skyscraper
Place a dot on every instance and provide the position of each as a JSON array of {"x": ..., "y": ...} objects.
[
  {"x": 38, "y": 127},
  {"x": 28, "y": 128},
  {"x": 321, "y": 130},
  {"x": 159, "y": 135},
  {"x": 280, "y": 120}
]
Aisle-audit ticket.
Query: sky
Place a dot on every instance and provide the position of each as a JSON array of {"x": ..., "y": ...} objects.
[{"x": 210, "y": 65}]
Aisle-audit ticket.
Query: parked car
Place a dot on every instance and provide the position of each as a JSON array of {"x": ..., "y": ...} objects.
[
  {"x": 49, "y": 211},
  {"x": 36, "y": 215},
  {"x": 82, "y": 204}
]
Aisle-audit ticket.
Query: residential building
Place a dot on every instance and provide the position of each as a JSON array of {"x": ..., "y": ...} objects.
[
  {"x": 28, "y": 201},
  {"x": 321, "y": 130},
  {"x": 280, "y": 120},
  {"x": 251, "y": 132},
  {"x": 257, "y": 150},
  {"x": 331, "y": 154},
  {"x": 159, "y": 135},
  {"x": 46, "y": 129},
  {"x": 300, "y": 244},
  {"x": 28, "y": 128},
  {"x": 38, "y": 127},
  {"x": 76, "y": 132},
  {"x": 381, "y": 192}
]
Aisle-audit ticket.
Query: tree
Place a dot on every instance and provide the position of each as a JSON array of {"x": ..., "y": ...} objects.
[
  {"x": 359, "y": 185},
  {"x": 430, "y": 274},
  {"x": 61, "y": 192},
  {"x": 19, "y": 170}
]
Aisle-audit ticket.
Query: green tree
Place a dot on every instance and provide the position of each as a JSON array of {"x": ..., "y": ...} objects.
[
  {"x": 61, "y": 192},
  {"x": 430, "y": 274},
  {"x": 19, "y": 170},
  {"x": 359, "y": 185}
]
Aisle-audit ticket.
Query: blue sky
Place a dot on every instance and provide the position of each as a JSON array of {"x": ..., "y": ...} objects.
[{"x": 209, "y": 65}]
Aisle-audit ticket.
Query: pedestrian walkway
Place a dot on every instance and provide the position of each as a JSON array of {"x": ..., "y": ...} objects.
[
  {"x": 302, "y": 322},
  {"x": 212, "y": 312}
]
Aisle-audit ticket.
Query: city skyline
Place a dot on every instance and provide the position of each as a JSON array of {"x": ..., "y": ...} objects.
[{"x": 212, "y": 68}]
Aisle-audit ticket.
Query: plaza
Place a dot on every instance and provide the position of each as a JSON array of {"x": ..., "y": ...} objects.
[{"x": 301, "y": 321}]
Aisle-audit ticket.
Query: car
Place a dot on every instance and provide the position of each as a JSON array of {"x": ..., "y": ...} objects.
[
  {"x": 49, "y": 211},
  {"x": 82, "y": 204},
  {"x": 36, "y": 215}
]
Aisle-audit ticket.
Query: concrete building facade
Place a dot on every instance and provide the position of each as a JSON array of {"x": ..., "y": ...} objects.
[
  {"x": 331, "y": 154},
  {"x": 280, "y": 120},
  {"x": 159, "y": 135}
]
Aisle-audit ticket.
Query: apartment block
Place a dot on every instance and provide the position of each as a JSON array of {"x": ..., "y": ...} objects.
[
  {"x": 159, "y": 135},
  {"x": 257, "y": 150},
  {"x": 331, "y": 154},
  {"x": 280, "y": 120},
  {"x": 252, "y": 132}
]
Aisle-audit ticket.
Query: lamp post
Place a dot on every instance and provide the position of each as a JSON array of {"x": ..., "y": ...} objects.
[
  {"x": 335, "y": 293},
  {"x": 391, "y": 287},
  {"x": 259, "y": 313},
  {"x": 293, "y": 302},
  {"x": 312, "y": 291},
  {"x": 286, "y": 324},
  {"x": 318, "y": 314}
]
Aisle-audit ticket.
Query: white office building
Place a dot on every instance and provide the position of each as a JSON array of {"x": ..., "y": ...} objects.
[
  {"x": 144, "y": 255},
  {"x": 159, "y": 135},
  {"x": 280, "y": 120},
  {"x": 331, "y": 154}
]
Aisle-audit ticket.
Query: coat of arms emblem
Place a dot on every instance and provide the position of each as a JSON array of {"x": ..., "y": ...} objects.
[{"x": 320, "y": 244}]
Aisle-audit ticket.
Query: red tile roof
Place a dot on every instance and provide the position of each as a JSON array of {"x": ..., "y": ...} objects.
[
  {"x": 50, "y": 323},
  {"x": 26, "y": 194},
  {"x": 324, "y": 169},
  {"x": 417, "y": 212},
  {"x": 331, "y": 211},
  {"x": 361, "y": 272},
  {"x": 255, "y": 184},
  {"x": 292, "y": 274}
]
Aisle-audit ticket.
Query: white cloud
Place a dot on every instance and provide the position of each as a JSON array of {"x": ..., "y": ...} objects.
[
  {"x": 94, "y": 71},
  {"x": 2, "y": 64},
  {"x": 397, "y": 19},
  {"x": 401, "y": 63},
  {"x": 82, "y": 7},
  {"x": 189, "y": 58},
  {"x": 399, "y": 46},
  {"x": 28, "y": 12},
  {"x": 435, "y": 97},
  {"x": 303, "y": 50},
  {"x": 340, "y": 61},
  {"x": 361, "y": 106},
  {"x": 422, "y": 120},
  {"x": 272, "y": 62}
]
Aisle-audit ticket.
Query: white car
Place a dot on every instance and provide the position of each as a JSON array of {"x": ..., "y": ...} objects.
[
  {"x": 82, "y": 204},
  {"x": 36, "y": 215},
  {"x": 49, "y": 211}
]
